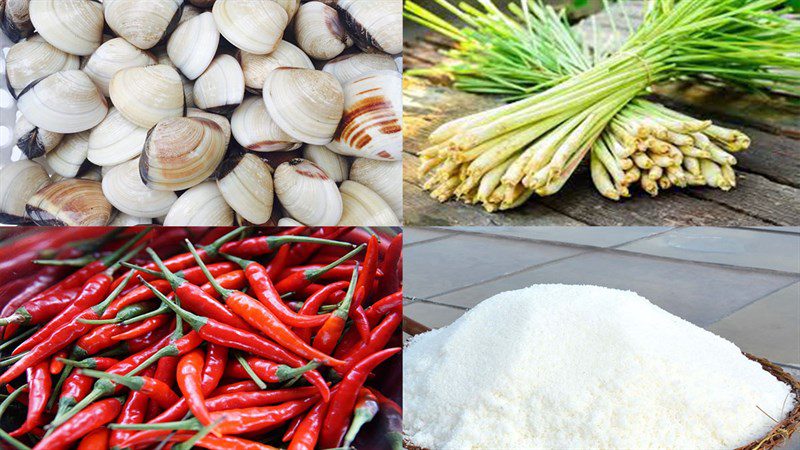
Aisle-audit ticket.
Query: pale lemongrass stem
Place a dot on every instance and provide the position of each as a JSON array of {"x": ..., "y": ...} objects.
[
  {"x": 601, "y": 178},
  {"x": 664, "y": 160},
  {"x": 677, "y": 176},
  {"x": 720, "y": 156},
  {"x": 649, "y": 185},
  {"x": 642, "y": 160},
  {"x": 655, "y": 172},
  {"x": 491, "y": 180},
  {"x": 695, "y": 152},
  {"x": 729, "y": 174},
  {"x": 633, "y": 175},
  {"x": 692, "y": 165},
  {"x": 664, "y": 183},
  {"x": 711, "y": 172}
]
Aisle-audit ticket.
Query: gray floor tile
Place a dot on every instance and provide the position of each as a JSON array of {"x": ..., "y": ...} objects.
[
  {"x": 700, "y": 294},
  {"x": 593, "y": 236},
  {"x": 758, "y": 327},
  {"x": 746, "y": 248},
  {"x": 795, "y": 230},
  {"x": 414, "y": 235},
  {"x": 439, "y": 266},
  {"x": 434, "y": 316}
]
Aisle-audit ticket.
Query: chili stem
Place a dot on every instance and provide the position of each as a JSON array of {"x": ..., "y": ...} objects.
[
  {"x": 3, "y": 406},
  {"x": 246, "y": 365}
]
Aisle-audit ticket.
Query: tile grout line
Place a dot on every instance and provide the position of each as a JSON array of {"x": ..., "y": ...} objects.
[
  {"x": 425, "y": 241},
  {"x": 791, "y": 283}
]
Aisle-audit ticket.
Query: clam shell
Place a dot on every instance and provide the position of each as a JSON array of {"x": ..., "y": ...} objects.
[
  {"x": 126, "y": 220},
  {"x": 355, "y": 65},
  {"x": 65, "y": 102},
  {"x": 336, "y": 166},
  {"x": 306, "y": 104},
  {"x": 363, "y": 207},
  {"x": 124, "y": 189},
  {"x": 72, "y": 202},
  {"x": 143, "y": 23},
  {"x": 202, "y": 205},
  {"x": 115, "y": 140},
  {"x": 385, "y": 178},
  {"x": 35, "y": 58},
  {"x": 319, "y": 32},
  {"x": 257, "y": 67},
  {"x": 290, "y": 6},
  {"x": 289, "y": 222},
  {"x": 307, "y": 193},
  {"x": 19, "y": 180},
  {"x": 371, "y": 27},
  {"x": 221, "y": 87},
  {"x": 221, "y": 120},
  {"x": 189, "y": 12},
  {"x": 254, "y": 129},
  {"x": 16, "y": 20},
  {"x": 74, "y": 26},
  {"x": 254, "y": 26},
  {"x": 246, "y": 183},
  {"x": 372, "y": 122},
  {"x": 146, "y": 95},
  {"x": 181, "y": 152},
  {"x": 113, "y": 56},
  {"x": 193, "y": 45},
  {"x": 32, "y": 140},
  {"x": 67, "y": 159}
]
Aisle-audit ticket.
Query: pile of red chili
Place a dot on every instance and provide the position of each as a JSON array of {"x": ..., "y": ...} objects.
[{"x": 218, "y": 338}]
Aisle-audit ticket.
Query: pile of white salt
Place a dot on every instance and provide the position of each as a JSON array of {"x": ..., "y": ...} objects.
[{"x": 578, "y": 367}]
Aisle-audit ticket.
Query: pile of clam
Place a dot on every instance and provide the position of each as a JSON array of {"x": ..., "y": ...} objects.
[{"x": 211, "y": 112}]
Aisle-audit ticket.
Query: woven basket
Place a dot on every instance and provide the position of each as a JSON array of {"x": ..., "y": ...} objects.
[{"x": 778, "y": 436}]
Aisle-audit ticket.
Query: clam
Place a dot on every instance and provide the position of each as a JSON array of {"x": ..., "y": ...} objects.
[
  {"x": 115, "y": 140},
  {"x": 16, "y": 21},
  {"x": 113, "y": 56},
  {"x": 306, "y": 104},
  {"x": 143, "y": 23},
  {"x": 67, "y": 159},
  {"x": 72, "y": 202},
  {"x": 124, "y": 189},
  {"x": 126, "y": 220},
  {"x": 257, "y": 67},
  {"x": 188, "y": 85},
  {"x": 335, "y": 166},
  {"x": 189, "y": 12},
  {"x": 19, "y": 180},
  {"x": 202, "y": 205},
  {"x": 35, "y": 58},
  {"x": 290, "y": 6},
  {"x": 373, "y": 114},
  {"x": 355, "y": 65},
  {"x": 64, "y": 102},
  {"x": 34, "y": 141},
  {"x": 385, "y": 178},
  {"x": 254, "y": 129},
  {"x": 221, "y": 87},
  {"x": 289, "y": 222},
  {"x": 363, "y": 207},
  {"x": 255, "y": 26},
  {"x": 74, "y": 26},
  {"x": 181, "y": 152},
  {"x": 246, "y": 184},
  {"x": 89, "y": 171},
  {"x": 307, "y": 193},
  {"x": 380, "y": 28},
  {"x": 222, "y": 121},
  {"x": 193, "y": 45},
  {"x": 145, "y": 95},
  {"x": 319, "y": 32}
]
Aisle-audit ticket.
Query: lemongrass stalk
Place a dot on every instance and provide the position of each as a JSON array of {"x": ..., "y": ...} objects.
[
  {"x": 601, "y": 151},
  {"x": 692, "y": 165},
  {"x": 649, "y": 185},
  {"x": 729, "y": 174},
  {"x": 664, "y": 160},
  {"x": 492, "y": 179},
  {"x": 695, "y": 152},
  {"x": 720, "y": 156},
  {"x": 600, "y": 176},
  {"x": 664, "y": 183},
  {"x": 655, "y": 172},
  {"x": 642, "y": 161},
  {"x": 632, "y": 175},
  {"x": 521, "y": 198},
  {"x": 445, "y": 190},
  {"x": 711, "y": 172},
  {"x": 676, "y": 176}
]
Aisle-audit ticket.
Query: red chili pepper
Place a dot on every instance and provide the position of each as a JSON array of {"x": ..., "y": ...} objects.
[
  {"x": 341, "y": 272},
  {"x": 56, "y": 366},
  {"x": 301, "y": 252},
  {"x": 392, "y": 267},
  {"x": 297, "y": 281},
  {"x": 291, "y": 429},
  {"x": 232, "y": 388},
  {"x": 366, "y": 408},
  {"x": 359, "y": 316},
  {"x": 216, "y": 360},
  {"x": 376, "y": 312},
  {"x": 39, "y": 390},
  {"x": 156, "y": 390},
  {"x": 263, "y": 245},
  {"x": 190, "y": 370},
  {"x": 313, "y": 303},
  {"x": 210, "y": 442},
  {"x": 331, "y": 331},
  {"x": 360, "y": 236},
  {"x": 133, "y": 411},
  {"x": 77, "y": 386},
  {"x": 145, "y": 327},
  {"x": 278, "y": 263},
  {"x": 378, "y": 340},
  {"x": 367, "y": 277},
  {"x": 267, "y": 370},
  {"x": 343, "y": 399},
  {"x": 307, "y": 434},
  {"x": 165, "y": 372},
  {"x": 96, "y": 440},
  {"x": 96, "y": 340},
  {"x": 88, "y": 420}
]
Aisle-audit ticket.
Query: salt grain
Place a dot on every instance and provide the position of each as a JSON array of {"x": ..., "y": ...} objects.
[{"x": 574, "y": 367}]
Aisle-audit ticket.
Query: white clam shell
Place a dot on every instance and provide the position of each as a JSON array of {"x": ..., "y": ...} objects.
[
  {"x": 181, "y": 152},
  {"x": 146, "y": 95},
  {"x": 254, "y": 129},
  {"x": 35, "y": 58},
  {"x": 64, "y": 102},
  {"x": 372, "y": 122},
  {"x": 193, "y": 44},
  {"x": 246, "y": 184},
  {"x": 307, "y": 193},
  {"x": 290, "y": 6},
  {"x": 289, "y": 222},
  {"x": 113, "y": 56},
  {"x": 374, "y": 27},
  {"x": 319, "y": 32},
  {"x": 255, "y": 26},
  {"x": 142, "y": 23},
  {"x": 189, "y": 12},
  {"x": 202, "y": 205},
  {"x": 72, "y": 202},
  {"x": 115, "y": 140},
  {"x": 15, "y": 21},
  {"x": 32, "y": 140},
  {"x": 74, "y": 26},
  {"x": 221, "y": 120},
  {"x": 355, "y": 65},
  {"x": 257, "y": 67},
  {"x": 19, "y": 180},
  {"x": 383, "y": 177},
  {"x": 126, "y": 220},
  {"x": 124, "y": 189},
  {"x": 67, "y": 159},
  {"x": 306, "y": 104},
  {"x": 336, "y": 166},
  {"x": 221, "y": 86},
  {"x": 363, "y": 207}
]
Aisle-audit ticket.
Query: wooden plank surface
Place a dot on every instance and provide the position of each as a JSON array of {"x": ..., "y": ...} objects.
[{"x": 768, "y": 191}]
